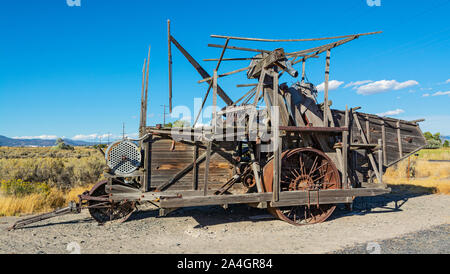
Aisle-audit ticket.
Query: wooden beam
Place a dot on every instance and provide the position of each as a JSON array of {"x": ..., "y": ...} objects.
[
  {"x": 170, "y": 65},
  {"x": 383, "y": 139},
  {"x": 238, "y": 48},
  {"x": 325, "y": 102},
  {"x": 208, "y": 158},
  {"x": 141, "y": 123},
  {"x": 195, "y": 168},
  {"x": 345, "y": 151},
  {"x": 277, "y": 146},
  {"x": 224, "y": 74},
  {"x": 291, "y": 40},
  {"x": 201, "y": 70}
]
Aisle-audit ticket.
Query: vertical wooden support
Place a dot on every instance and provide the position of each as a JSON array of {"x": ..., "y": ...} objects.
[
  {"x": 345, "y": 151},
  {"x": 303, "y": 70},
  {"x": 147, "y": 142},
  {"x": 383, "y": 138},
  {"x": 325, "y": 101},
  {"x": 277, "y": 143},
  {"x": 195, "y": 168},
  {"x": 364, "y": 139},
  {"x": 214, "y": 100},
  {"x": 170, "y": 65},
  {"x": 144, "y": 115},
  {"x": 399, "y": 138},
  {"x": 368, "y": 129},
  {"x": 208, "y": 152},
  {"x": 380, "y": 160},
  {"x": 256, "y": 168},
  {"x": 141, "y": 123},
  {"x": 208, "y": 158}
]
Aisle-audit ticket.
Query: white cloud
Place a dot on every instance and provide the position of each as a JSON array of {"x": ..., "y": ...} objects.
[
  {"x": 333, "y": 84},
  {"x": 441, "y": 93},
  {"x": 91, "y": 136},
  {"x": 448, "y": 81},
  {"x": 45, "y": 137},
  {"x": 383, "y": 86},
  {"x": 391, "y": 112},
  {"x": 357, "y": 83},
  {"x": 425, "y": 95}
]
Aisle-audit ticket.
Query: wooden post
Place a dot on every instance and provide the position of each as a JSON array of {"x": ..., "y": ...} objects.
[
  {"x": 214, "y": 101},
  {"x": 141, "y": 123},
  {"x": 144, "y": 115},
  {"x": 383, "y": 136},
  {"x": 399, "y": 138},
  {"x": 325, "y": 102},
  {"x": 195, "y": 168},
  {"x": 408, "y": 169},
  {"x": 170, "y": 65},
  {"x": 277, "y": 143},
  {"x": 345, "y": 151},
  {"x": 303, "y": 70},
  {"x": 147, "y": 164},
  {"x": 208, "y": 158},
  {"x": 380, "y": 160}
]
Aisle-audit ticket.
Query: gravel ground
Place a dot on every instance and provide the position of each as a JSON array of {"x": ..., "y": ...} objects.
[
  {"x": 241, "y": 229},
  {"x": 431, "y": 241}
]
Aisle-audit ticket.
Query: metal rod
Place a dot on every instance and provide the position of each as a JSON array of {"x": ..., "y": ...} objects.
[{"x": 325, "y": 102}]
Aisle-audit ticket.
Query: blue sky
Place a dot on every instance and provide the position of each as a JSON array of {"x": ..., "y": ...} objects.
[{"x": 76, "y": 71}]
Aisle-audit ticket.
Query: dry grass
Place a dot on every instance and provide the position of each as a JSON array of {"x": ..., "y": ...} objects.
[
  {"x": 11, "y": 205},
  {"x": 434, "y": 176},
  {"x": 35, "y": 180}
]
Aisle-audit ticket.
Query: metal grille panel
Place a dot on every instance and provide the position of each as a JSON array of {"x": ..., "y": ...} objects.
[{"x": 123, "y": 157}]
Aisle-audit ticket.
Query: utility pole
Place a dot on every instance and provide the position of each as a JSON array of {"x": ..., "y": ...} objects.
[
  {"x": 164, "y": 115},
  {"x": 123, "y": 130}
]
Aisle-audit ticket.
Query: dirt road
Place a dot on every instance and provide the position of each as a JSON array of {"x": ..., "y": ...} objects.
[{"x": 239, "y": 229}]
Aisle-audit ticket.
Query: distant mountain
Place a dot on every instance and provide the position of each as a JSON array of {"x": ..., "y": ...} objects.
[{"x": 11, "y": 142}]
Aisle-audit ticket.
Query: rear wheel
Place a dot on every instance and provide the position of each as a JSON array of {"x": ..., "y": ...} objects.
[
  {"x": 303, "y": 169},
  {"x": 102, "y": 211}
]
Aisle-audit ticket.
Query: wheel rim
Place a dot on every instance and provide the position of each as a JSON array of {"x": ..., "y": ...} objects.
[
  {"x": 303, "y": 169},
  {"x": 103, "y": 212}
]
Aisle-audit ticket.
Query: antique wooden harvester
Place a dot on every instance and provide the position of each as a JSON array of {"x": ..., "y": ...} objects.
[{"x": 276, "y": 147}]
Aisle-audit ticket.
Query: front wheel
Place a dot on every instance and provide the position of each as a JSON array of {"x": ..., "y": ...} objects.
[{"x": 103, "y": 212}]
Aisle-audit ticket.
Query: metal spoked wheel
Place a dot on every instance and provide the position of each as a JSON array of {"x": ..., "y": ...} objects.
[
  {"x": 103, "y": 212},
  {"x": 304, "y": 169}
]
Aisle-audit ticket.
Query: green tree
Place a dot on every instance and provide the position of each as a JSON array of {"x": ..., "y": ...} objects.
[{"x": 446, "y": 143}]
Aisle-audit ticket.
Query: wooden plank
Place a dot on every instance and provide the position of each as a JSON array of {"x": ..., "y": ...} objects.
[
  {"x": 380, "y": 161},
  {"x": 399, "y": 139}
]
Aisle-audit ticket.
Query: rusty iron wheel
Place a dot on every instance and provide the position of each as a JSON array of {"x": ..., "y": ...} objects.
[
  {"x": 102, "y": 212},
  {"x": 303, "y": 169}
]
